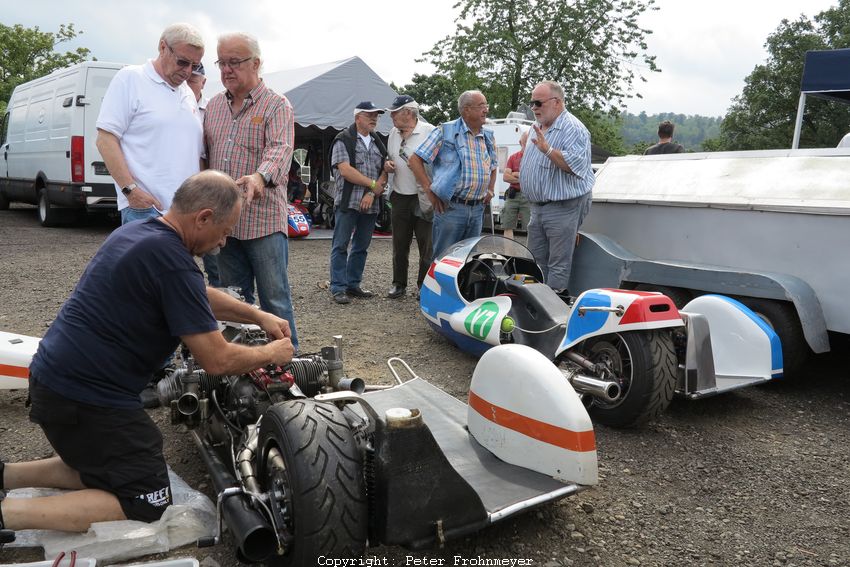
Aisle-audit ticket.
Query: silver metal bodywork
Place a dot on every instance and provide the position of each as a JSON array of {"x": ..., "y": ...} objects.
[{"x": 770, "y": 224}]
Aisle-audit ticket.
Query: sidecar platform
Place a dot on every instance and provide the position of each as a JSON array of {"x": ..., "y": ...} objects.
[{"x": 504, "y": 489}]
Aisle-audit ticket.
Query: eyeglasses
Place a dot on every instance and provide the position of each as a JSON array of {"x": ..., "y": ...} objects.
[
  {"x": 233, "y": 63},
  {"x": 402, "y": 153},
  {"x": 479, "y": 106},
  {"x": 183, "y": 62},
  {"x": 539, "y": 103}
]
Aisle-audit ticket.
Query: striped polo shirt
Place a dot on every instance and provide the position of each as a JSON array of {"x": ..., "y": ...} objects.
[{"x": 542, "y": 180}]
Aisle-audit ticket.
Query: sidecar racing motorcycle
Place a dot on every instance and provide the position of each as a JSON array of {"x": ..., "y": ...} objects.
[
  {"x": 308, "y": 462},
  {"x": 626, "y": 352}
]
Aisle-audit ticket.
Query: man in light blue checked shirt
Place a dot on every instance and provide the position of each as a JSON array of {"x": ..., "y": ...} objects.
[
  {"x": 557, "y": 178},
  {"x": 463, "y": 155}
]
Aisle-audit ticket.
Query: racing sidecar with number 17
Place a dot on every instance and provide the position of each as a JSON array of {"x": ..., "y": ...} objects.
[{"x": 626, "y": 352}]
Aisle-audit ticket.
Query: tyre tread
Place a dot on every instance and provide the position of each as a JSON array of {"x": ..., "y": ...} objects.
[{"x": 325, "y": 473}]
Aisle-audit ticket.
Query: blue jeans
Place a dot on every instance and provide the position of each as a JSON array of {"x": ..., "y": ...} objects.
[
  {"x": 456, "y": 223},
  {"x": 347, "y": 267},
  {"x": 266, "y": 259},
  {"x": 552, "y": 237},
  {"x": 129, "y": 214},
  {"x": 211, "y": 268}
]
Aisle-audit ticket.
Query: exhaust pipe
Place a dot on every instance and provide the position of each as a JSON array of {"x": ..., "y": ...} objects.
[
  {"x": 254, "y": 536},
  {"x": 602, "y": 389},
  {"x": 356, "y": 385}
]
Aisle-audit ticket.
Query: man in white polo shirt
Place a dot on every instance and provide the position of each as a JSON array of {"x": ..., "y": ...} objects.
[
  {"x": 412, "y": 212},
  {"x": 149, "y": 133}
]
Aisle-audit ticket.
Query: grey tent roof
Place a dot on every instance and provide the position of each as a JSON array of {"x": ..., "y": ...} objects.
[{"x": 325, "y": 95}]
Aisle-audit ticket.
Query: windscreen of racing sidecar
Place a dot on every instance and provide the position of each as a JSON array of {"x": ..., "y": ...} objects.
[{"x": 490, "y": 261}]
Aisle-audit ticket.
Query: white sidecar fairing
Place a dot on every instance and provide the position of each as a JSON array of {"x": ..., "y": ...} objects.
[
  {"x": 525, "y": 413},
  {"x": 504, "y": 478},
  {"x": 729, "y": 347},
  {"x": 16, "y": 352}
]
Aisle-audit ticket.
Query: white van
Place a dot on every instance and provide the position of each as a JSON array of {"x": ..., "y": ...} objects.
[
  {"x": 507, "y": 132},
  {"x": 48, "y": 135}
]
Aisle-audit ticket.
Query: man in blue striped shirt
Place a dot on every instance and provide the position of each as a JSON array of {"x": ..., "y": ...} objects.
[
  {"x": 463, "y": 155},
  {"x": 557, "y": 178}
]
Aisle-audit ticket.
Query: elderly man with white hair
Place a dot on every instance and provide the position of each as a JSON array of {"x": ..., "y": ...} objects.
[
  {"x": 463, "y": 156},
  {"x": 412, "y": 212},
  {"x": 249, "y": 132},
  {"x": 149, "y": 133}
]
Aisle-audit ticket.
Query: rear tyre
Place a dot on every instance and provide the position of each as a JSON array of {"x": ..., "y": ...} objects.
[
  {"x": 48, "y": 215},
  {"x": 313, "y": 471},
  {"x": 644, "y": 364},
  {"x": 782, "y": 318}
]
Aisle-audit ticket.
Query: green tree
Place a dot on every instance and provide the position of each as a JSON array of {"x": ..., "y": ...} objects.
[
  {"x": 436, "y": 94},
  {"x": 594, "y": 48},
  {"x": 763, "y": 115},
  {"x": 29, "y": 53}
]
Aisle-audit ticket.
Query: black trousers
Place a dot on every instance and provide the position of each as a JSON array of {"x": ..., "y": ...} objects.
[{"x": 406, "y": 224}]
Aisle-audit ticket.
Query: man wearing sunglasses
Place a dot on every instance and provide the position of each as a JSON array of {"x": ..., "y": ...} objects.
[
  {"x": 249, "y": 132},
  {"x": 557, "y": 179},
  {"x": 149, "y": 132}
]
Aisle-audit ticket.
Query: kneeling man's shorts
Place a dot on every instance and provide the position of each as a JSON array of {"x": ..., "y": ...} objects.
[{"x": 115, "y": 450}]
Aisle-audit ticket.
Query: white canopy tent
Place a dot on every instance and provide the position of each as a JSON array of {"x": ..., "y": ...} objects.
[{"x": 324, "y": 96}]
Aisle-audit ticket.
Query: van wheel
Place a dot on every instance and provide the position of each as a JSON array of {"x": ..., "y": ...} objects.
[
  {"x": 48, "y": 215},
  {"x": 4, "y": 201},
  {"x": 782, "y": 318}
]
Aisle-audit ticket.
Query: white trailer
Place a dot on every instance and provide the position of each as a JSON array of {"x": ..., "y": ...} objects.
[{"x": 767, "y": 227}]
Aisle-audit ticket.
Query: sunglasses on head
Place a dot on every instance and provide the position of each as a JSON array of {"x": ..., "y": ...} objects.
[
  {"x": 538, "y": 103},
  {"x": 183, "y": 62}
]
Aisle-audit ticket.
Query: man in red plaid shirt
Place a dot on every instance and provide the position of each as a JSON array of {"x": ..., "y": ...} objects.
[{"x": 249, "y": 132}]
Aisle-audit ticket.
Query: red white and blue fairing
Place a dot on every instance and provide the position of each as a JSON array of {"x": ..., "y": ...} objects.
[{"x": 299, "y": 222}]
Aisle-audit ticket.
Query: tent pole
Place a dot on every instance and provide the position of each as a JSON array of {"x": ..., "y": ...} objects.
[{"x": 798, "y": 125}]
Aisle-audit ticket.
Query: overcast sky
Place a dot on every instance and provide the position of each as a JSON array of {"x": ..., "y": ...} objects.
[{"x": 705, "y": 48}]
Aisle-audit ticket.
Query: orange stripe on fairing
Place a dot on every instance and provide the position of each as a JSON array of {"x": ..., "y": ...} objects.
[
  {"x": 452, "y": 262},
  {"x": 14, "y": 371},
  {"x": 580, "y": 441}
]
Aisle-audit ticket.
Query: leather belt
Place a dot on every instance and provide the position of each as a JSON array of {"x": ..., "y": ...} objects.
[{"x": 468, "y": 202}]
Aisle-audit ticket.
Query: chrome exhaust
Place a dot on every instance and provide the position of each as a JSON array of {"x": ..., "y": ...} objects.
[{"x": 602, "y": 389}]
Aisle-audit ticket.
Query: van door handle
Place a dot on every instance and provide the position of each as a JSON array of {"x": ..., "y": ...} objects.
[{"x": 81, "y": 100}]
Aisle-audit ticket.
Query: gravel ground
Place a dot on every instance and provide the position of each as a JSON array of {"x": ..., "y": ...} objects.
[{"x": 756, "y": 477}]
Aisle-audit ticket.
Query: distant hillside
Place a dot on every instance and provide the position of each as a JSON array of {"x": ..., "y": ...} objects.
[{"x": 641, "y": 130}]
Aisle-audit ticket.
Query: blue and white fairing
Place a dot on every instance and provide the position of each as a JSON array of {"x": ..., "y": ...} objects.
[{"x": 472, "y": 326}]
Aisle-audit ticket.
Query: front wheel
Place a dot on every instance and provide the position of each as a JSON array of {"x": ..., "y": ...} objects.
[
  {"x": 312, "y": 469},
  {"x": 644, "y": 365}
]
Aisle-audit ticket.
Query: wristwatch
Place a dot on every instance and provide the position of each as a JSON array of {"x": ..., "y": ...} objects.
[
  {"x": 267, "y": 177},
  {"x": 128, "y": 189}
]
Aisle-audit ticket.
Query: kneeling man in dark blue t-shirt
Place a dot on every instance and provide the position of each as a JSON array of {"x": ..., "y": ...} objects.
[{"x": 140, "y": 295}]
